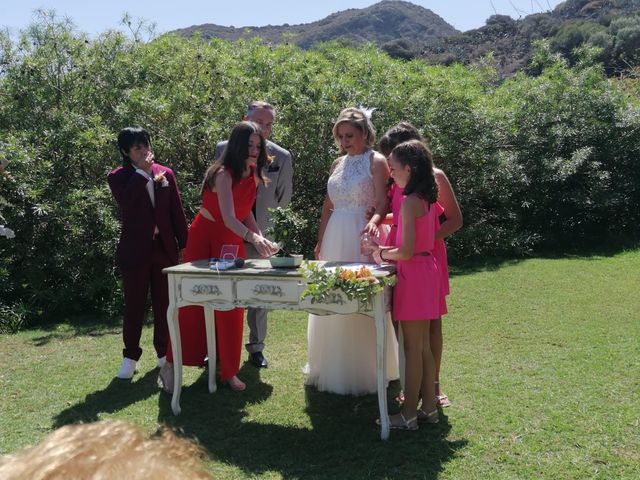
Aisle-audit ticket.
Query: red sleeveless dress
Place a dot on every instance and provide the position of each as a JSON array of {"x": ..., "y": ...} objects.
[{"x": 205, "y": 240}]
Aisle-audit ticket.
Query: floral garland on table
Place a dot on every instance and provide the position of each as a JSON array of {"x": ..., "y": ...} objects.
[{"x": 360, "y": 285}]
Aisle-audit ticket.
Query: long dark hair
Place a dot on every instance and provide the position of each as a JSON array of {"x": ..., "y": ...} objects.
[
  {"x": 234, "y": 157},
  {"x": 422, "y": 180},
  {"x": 130, "y": 136}
]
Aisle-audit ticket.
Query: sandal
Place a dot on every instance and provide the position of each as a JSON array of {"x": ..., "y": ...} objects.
[
  {"x": 165, "y": 378},
  {"x": 398, "y": 422},
  {"x": 432, "y": 417}
]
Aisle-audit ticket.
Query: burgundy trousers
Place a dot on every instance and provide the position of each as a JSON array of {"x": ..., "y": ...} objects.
[{"x": 136, "y": 284}]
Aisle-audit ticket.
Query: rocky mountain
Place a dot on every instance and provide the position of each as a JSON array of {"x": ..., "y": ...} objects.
[
  {"x": 407, "y": 30},
  {"x": 387, "y": 23},
  {"x": 611, "y": 25}
]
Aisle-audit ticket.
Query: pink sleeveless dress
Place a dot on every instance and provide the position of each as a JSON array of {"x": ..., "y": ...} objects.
[
  {"x": 417, "y": 295},
  {"x": 396, "y": 197}
]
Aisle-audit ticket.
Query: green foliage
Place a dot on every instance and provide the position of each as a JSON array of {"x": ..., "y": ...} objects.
[
  {"x": 535, "y": 162},
  {"x": 288, "y": 229},
  {"x": 360, "y": 285},
  {"x": 12, "y": 318}
]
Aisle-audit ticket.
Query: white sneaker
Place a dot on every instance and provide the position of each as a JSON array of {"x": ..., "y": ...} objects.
[
  {"x": 127, "y": 368},
  {"x": 162, "y": 361}
]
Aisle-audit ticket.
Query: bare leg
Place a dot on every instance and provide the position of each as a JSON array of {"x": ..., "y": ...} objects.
[
  {"x": 414, "y": 335},
  {"x": 428, "y": 374},
  {"x": 435, "y": 341}
]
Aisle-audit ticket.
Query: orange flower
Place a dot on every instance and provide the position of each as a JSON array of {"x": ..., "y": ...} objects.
[
  {"x": 364, "y": 272},
  {"x": 347, "y": 275}
]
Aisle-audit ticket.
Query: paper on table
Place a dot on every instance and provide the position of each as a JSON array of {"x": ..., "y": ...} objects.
[{"x": 356, "y": 266}]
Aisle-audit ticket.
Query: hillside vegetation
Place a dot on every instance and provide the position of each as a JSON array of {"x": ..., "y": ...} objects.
[{"x": 612, "y": 27}]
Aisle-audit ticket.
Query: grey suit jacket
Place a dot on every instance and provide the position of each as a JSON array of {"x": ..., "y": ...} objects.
[{"x": 279, "y": 189}]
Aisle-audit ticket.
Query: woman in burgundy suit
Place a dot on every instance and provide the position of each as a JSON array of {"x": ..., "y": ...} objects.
[
  {"x": 154, "y": 230},
  {"x": 225, "y": 218}
]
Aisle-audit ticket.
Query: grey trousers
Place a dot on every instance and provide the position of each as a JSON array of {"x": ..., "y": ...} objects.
[{"x": 256, "y": 317}]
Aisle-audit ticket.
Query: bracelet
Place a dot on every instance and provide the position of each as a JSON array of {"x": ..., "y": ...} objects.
[
  {"x": 244, "y": 237},
  {"x": 381, "y": 257}
]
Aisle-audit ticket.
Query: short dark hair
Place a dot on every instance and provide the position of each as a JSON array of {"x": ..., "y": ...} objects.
[
  {"x": 129, "y": 137},
  {"x": 396, "y": 135}
]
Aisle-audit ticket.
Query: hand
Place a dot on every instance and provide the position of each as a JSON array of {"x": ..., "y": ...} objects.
[
  {"x": 369, "y": 213},
  {"x": 316, "y": 251},
  {"x": 376, "y": 256},
  {"x": 264, "y": 247},
  {"x": 371, "y": 229},
  {"x": 145, "y": 163},
  {"x": 367, "y": 245}
]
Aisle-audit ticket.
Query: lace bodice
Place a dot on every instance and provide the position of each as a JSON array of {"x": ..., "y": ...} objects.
[{"x": 351, "y": 183}]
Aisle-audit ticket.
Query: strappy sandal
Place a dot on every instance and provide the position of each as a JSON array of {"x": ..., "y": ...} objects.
[
  {"x": 442, "y": 401},
  {"x": 432, "y": 417},
  {"x": 404, "y": 424},
  {"x": 165, "y": 378}
]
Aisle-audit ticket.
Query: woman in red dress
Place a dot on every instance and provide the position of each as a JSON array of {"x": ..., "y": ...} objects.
[{"x": 225, "y": 218}]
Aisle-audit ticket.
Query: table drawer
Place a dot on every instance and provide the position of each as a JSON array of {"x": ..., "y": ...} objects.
[
  {"x": 202, "y": 289},
  {"x": 337, "y": 302},
  {"x": 268, "y": 291}
]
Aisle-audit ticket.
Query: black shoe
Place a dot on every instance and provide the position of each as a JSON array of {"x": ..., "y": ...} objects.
[{"x": 258, "y": 360}]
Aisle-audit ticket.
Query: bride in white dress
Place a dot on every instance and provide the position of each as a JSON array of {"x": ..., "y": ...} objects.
[{"x": 342, "y": 348}]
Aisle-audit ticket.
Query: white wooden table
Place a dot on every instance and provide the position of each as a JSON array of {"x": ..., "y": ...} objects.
[{"x": 257, "y": 284}]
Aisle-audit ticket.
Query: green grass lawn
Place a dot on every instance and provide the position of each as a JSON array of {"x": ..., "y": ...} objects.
[{"x": 542, "y": 363}]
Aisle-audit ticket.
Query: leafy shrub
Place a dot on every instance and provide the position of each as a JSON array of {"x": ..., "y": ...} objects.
[{"x": 536, "y": 162}]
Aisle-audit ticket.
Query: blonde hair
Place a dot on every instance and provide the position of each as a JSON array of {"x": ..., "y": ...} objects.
[
  {"x": 109, "y": 450},
  {"x": 358, "y": 119}
]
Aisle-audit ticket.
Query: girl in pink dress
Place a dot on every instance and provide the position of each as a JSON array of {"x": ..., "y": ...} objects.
[
  {"x": 417, "y": 295},
  {"x": 447, "y": 205}
]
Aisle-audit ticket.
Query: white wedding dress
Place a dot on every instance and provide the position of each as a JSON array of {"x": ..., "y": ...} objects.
[{"x": 342, "y": 348}]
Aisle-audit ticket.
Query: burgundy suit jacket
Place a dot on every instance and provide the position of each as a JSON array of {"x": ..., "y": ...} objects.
[{"x": 139, "y": 216}]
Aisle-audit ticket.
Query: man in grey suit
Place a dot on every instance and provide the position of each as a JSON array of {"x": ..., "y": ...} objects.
[{"x": 277, "y": 193}]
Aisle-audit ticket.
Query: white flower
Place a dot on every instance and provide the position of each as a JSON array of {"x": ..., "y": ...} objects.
[{"x": 366, "y": 111}]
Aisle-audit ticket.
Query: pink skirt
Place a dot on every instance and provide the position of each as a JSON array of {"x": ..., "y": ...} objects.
[{"x": 418, "y": 295}]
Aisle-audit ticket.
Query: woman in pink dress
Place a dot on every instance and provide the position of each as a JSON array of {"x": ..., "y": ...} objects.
[{"x": 417, "y": 293}]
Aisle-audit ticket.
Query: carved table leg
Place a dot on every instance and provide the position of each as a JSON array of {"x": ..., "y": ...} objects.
[
  {"x": 209, "y": 321},
  {"x": 176, "y": 344},
  {"x": 381, "y": 364}
]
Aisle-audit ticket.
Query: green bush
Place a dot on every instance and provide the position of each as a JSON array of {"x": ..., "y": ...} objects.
[{"x": 537, "y": 162}]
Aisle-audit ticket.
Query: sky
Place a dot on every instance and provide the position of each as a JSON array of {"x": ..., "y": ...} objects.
[{"x": 96, "y": 16}]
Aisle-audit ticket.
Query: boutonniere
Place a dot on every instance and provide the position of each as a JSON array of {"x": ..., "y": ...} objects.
[{"x": 161, "y": 179}]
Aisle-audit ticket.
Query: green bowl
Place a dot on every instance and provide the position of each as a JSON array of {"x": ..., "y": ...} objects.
[{"x": 286, "y": 262}]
